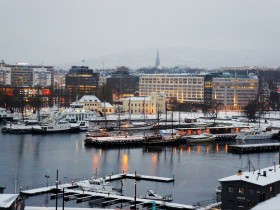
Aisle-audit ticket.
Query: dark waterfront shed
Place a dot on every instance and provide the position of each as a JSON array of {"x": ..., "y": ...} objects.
[{"x": 246, "y": 189}]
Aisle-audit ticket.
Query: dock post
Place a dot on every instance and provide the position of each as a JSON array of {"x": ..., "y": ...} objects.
[
  {"x": 135, "y": 192},
  {"x": 56, "y": 191},
  {"x": 63, "y": 199}
]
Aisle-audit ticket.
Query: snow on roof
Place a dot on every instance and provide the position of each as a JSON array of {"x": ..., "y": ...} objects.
[
  {"x": 89, "y": 98},
  {"x": 6, "y": 200},
  {"x": 270, "y": 204},
  {"x": 257, "y": 177},
  {"x": 106, "y": 105},
  {"x": 148, "y": 98}
]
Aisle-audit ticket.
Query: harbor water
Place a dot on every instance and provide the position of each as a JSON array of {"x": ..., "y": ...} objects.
[{"x": 28, "y": 160}]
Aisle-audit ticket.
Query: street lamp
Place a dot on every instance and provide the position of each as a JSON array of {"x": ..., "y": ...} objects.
[{"x": 47, "y": 179}]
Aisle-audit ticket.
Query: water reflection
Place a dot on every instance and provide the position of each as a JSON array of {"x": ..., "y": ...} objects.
[
  {"x": 95, "y": 162},
  {"x": 124, "y": 163},
  {"x": 217, "y": 148}
]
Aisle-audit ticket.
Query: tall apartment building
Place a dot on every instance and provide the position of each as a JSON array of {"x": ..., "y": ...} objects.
[
  {"x": 80, "y": 81},
  {"x": 235, "y": 92},
  {"x": 42, "y": 77},
  {"x": 121, "y": 84},
  {"x": 184, "y": 87},
  {"x": 26, "y": 75},
  {"x": 5, "y": 75}
]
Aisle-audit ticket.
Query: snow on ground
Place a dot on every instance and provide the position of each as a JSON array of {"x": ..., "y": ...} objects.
[{"x": 271, "y": 204}]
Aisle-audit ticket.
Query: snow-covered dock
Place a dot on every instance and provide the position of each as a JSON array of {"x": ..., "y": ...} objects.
[
  {"x": 251, "y": 148},
  {"x": 48, "y": 189},
  {"x": 139, "y": 177},
  {"x": 109, "y": 199}
]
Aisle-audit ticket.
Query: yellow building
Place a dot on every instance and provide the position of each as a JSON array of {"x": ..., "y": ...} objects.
[
  {"x": 153, "y": 104},
  {"x": 183, "y": 87},
  {"x": 235, "y": 92},
  {"x": 91, "y": 102}
]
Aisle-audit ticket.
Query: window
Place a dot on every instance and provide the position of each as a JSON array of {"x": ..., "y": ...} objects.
[
  {"x": 252, "y": 192},
  {"x": 241, "y": 190},
  {"x": 230, "y": 189}
]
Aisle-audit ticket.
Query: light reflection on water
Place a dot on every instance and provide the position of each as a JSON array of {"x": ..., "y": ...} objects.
[{"x": 196, "y": 167}]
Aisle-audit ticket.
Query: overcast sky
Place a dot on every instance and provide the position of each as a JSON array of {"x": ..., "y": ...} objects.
[{"x": 63, "y": 31}]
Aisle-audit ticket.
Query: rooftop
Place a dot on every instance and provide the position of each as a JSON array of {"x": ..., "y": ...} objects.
[
  {"x": 148, "y": 98},
  {"x": 6, "y": 200},
  {"x": 89, "y": 98},
  {"x": 260, "y": 177}
]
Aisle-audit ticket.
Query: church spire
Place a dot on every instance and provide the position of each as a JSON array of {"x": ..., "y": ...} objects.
[{"x": 157, "y": 60}]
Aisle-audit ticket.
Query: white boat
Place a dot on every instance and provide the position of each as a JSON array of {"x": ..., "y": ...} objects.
[
  {"x": 55, "y": 127},
  {"x": 5, "y": 115},
  {"x": 204, "y": 137},
  {"x": 255, "y": 134},
  {"x": 20, "y": 127},
  {"x": 152, "y": 195},
  {"x": 97, "y": 185}
]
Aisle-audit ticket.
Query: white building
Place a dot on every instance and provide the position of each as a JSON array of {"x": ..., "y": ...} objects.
[
  {"x": 152, "y": 104},
  {"x": 235, "y": 92},
  {"x": 184, "y": 87},
  {"x": 5, "y": 75},
  {"x": 42, "y": 77}
]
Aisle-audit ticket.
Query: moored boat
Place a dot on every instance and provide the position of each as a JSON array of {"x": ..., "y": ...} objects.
[
  {"x": 152, "y": 195},
  {"x": 255, "y": 134},
  {"x": 98, "y": 185},
  {"x": 200, "y": 138}
]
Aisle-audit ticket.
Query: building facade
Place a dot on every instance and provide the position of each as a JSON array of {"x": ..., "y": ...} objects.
[
  {"x": 121, "y": 84},
  {"x": 235, "y": 92},
  {"x": 5, "y": 74},
  {"x": 246, "y": 189},
  {"x": 80, "y": 81},
  {"x": 91, "y": 102},
  {"x": 183, "y": 87},
  {"x": 153, "y": 104}
]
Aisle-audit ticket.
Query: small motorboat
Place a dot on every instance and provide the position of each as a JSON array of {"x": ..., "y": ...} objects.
[
  {"x": 152, "y": 195},
  {"x": 204, "y": 137},
  {"x": 98, "y": 185}
]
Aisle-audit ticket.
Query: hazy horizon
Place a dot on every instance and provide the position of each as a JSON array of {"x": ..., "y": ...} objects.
[{"x": 68, "y": 31}]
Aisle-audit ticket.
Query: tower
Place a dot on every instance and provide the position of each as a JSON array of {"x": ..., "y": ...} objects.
[{"x": 157, "y": 61}]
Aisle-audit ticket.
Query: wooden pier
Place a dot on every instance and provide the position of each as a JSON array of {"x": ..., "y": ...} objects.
[{"x": 254, "y": 148}]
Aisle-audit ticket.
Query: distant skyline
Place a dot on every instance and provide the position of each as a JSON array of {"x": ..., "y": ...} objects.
[{"x": 69, "y": 31}]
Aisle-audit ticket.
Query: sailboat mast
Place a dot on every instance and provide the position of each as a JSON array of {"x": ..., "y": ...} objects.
[
  {"x": 21, "y": 92},
  {"x": 38, "y": 104},
  {"x": 105, "y": 116},
  {"x": 119, "y": 106},
  {"x": 144, "y": 110}
]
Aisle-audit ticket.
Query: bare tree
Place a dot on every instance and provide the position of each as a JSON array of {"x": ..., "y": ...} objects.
[
  {"x": 211, "y": 108},
  {"x": 251, "y": 109}
]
